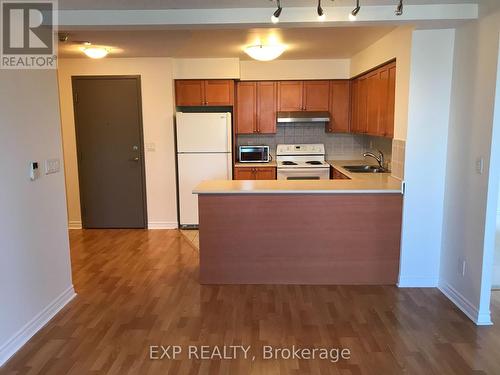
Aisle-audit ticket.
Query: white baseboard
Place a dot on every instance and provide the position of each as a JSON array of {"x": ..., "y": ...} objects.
[
  {"x": 468, "y": 308},
  {"x": 417, "y": 282},
  {"x": 74, "y": 224},
  {"x": 162, "y": 225},
  {"x": 32, "y": 327}
]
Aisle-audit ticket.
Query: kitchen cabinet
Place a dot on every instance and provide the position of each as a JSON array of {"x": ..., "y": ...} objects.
[
  {"x": 303, "y": 95},
  {"x": 246, "y": 108},
  {"x": 213, "y": 92},
  {"x": 337, "y": 175},
  {"x": 373, "y": 102},
  {"x": 290, "y": 96},
  {"x": 340, "y": 92},
  {"x": 316, "y": 95},
  {"x": 255, "y": 173},
  {"x": 256, "y": 107}
]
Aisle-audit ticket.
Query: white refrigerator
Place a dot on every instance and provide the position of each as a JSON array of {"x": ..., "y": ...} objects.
[{"x": 203, "y": 153}]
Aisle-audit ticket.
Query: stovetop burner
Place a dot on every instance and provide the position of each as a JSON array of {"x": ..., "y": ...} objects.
[
  {"x": 289, "y": 163},
  {"x": 314, "y": 162}
]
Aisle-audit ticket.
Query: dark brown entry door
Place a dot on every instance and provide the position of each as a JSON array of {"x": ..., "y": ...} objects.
[{"x": 108, "y": 121}]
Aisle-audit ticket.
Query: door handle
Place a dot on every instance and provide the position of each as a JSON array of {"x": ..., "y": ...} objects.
[{"x": 135, "y": 159}]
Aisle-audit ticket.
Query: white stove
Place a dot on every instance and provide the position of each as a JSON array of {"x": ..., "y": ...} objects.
[{"x": 302, "y": 162}]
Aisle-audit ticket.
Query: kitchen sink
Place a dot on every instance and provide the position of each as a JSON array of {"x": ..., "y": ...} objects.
[{"x": 365, "y": 169}]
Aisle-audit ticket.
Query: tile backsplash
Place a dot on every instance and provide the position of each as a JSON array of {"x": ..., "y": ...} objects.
[
  {"x": 337, "y": 146},
  {"x": 398, "y": 158}
]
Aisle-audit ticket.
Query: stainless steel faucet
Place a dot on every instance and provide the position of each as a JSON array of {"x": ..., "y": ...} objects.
[{"x": 380, "y": 158}]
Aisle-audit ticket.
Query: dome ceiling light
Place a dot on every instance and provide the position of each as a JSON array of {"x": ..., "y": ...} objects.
[{"x": 265, "y": 52}]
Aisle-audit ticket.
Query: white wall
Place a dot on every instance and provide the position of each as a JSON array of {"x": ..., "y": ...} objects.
[
  {"x": 468, "y": 226},
  {"x": 206, "y": 68},
  {"x": 295, "y": 69},
  {"x": 397, "y": 44},
  {"x": 158, "y": 113},
  {"x": 425, "y": 164},
  {"x": 35, "y": 273}
]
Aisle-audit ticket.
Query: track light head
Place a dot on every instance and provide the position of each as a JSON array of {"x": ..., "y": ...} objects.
[
  {"x": 355, "y": 11},
  {"x": 321, "y": 13},
  {"x": 399, "y": 8},
  {"x": 275, "y": 18}
]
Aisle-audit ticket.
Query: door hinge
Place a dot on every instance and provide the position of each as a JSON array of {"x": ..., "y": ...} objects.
[{"x": 75, "y": 97}]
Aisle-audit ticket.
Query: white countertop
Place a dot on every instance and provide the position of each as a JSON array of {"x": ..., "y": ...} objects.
[{"x": 360, "y": 183}]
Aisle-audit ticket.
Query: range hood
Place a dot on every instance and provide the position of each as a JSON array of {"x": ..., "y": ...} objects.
[{"x": 302, "y": 116}]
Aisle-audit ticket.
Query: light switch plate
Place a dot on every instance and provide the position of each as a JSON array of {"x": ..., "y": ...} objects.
[
  {"x": 52, "y": 166},
  {"x": 150, "y": 147}
]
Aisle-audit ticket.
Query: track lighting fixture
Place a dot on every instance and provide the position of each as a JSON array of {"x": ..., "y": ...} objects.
[
  {"x": 275, "y": 18},
  {"x": 353, "y": 15},
  {"x": 399, "y": 9},
  {"x": 321, "y": 13}
]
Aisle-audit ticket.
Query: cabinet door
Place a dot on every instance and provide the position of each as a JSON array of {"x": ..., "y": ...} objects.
[
  {"x": 362, "y": 112},
  {"x": 219, "y": 92},
  {"x": 290, "y": 96},
  {"x": 372, "y": 103},
  {"x": 268, "y": 173},
  {"x": 189, "y": 92},
  {"x": 336, "y": 175},
  {"x": 340, "y": 94},
  {"x": 246, "y": 112},
  {"x": 244, "y": 173},
  {"x": 354, "y": 106},
  {"x": 266, "y": 107},
  {"x": 391, "y": 99},
  {"x": 316, "y": 95}
]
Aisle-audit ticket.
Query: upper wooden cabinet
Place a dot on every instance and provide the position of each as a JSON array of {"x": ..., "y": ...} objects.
[
  {"x": 303, "y": 95},
  {"x": 373, "y": 102},
  {"x": 340, "y": 98},
  {"x": 290, "y": 96},
  {"x": 256, "y": 107},
  {"x": 213, "y": 92},
  {"x": 316, "y": 95}
]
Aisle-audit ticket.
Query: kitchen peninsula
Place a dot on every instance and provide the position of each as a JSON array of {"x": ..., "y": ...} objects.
[{"x": 344, "y": 231}]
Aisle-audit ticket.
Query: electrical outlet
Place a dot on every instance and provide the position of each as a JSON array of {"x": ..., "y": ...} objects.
[
  {"x": 480, "y": 165},
  {"x": 462, "y": 266},
  {"x": 52, "y": 166}
]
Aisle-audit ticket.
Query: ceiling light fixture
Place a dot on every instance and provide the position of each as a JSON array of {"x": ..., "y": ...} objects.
[
  {"x": 399, "y": 9},
  {"x": 95, "y": 52},
  {"x": 265, "y": 52},
  {"x": 275, "y": 18},
  {"x": 321, "y": 13},
  {"x": 354, "y": 14}
]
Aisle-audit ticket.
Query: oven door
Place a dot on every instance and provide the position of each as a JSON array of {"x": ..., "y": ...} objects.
[{"x": 303, "y": 174}]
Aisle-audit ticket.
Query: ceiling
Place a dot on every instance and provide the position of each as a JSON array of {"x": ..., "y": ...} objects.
[
  {"x": 212, "y": 4},
  {"x": 303, "y": 43}
]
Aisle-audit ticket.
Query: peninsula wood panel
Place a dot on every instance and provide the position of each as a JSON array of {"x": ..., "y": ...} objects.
[{"x": 300, "y": 239}]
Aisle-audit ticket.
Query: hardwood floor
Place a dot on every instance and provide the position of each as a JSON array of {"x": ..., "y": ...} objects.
[{"x": 139, "y": 288}]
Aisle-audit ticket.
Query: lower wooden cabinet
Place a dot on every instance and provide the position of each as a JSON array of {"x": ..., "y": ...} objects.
[
  {"x": 255, "y": 173},
  {"x": 337, "y": 175}
]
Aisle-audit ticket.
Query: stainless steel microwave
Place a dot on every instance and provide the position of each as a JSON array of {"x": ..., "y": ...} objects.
[{"x": 254, "y": 154}]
